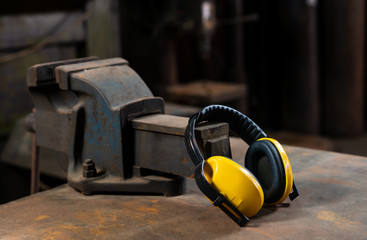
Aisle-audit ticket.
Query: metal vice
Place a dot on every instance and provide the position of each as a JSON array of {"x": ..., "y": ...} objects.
[{"x": 102, "y": 118}]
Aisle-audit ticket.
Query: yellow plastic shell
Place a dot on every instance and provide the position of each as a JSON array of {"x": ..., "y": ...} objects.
[
  {"x": 287, "y": 169},
  {"x": 236, "y": 183}
]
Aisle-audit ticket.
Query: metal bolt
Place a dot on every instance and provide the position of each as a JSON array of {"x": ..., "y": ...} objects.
[{"x": 89, "y": 168}]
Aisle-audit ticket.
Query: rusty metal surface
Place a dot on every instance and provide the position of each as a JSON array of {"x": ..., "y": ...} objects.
[
  {"x": 84, "y": 110},
  {"x": 159, "y": 143},
  {"x": 332, "y": 205},
  {"x": 161, "y": 123},
  {"x": 45, "y": 72}
]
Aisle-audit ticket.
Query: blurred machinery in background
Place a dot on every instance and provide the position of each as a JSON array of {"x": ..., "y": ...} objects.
[{"x": 300, "y": 69}]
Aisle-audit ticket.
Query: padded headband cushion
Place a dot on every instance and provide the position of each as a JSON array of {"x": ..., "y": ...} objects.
[
  {"x": 238, "y": 122},
  {"x": 264, "y": 162}
]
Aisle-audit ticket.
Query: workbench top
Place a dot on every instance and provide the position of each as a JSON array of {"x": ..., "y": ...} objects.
[{"x": 332, "y": 205}]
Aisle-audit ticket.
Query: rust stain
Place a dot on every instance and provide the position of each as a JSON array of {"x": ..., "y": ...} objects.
[
  {"x": 114, "y": 218},
  {"x": 148, "y": 210},
  {"x": 154, "y": 200},
  {"x": 55, "y": 235},
  {"x": 41, "y": 217},
  {"x": 104, "y": 222},
  {"x": 332, "y": 217},
  {"x": 152, "y": 221},
  {"x": 70, "y": 227},
  {"x": 103, "y": 217},
  {"x": 184, "y": 160}
]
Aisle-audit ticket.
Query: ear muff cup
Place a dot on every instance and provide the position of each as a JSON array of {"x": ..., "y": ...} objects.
[
  {"x": 264, "y": 162},
  {"x": 237, "y": 184}
]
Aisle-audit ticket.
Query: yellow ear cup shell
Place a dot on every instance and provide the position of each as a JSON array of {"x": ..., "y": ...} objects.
[
  {"x": 236, "y": 183},
  {"x": 287, "y": 169}
]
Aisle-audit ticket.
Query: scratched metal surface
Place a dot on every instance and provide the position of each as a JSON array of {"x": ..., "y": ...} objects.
[{"x": 332, "y": 205}]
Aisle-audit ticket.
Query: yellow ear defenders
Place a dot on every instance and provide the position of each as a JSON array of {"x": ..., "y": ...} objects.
[{"x": 238, "y": 191}]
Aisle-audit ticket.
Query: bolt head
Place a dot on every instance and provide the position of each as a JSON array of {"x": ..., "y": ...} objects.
[
  {"x": 89, "y": 174},
  {"x": 89, "y": 168},
  {"x": 89, "y": 165}
]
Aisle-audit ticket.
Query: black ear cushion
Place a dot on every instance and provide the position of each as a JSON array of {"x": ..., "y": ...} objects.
[{"x": 264, "y": 162}]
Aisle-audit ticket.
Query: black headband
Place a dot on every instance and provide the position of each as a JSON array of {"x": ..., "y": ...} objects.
[{"x": 237, "y": 121}]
